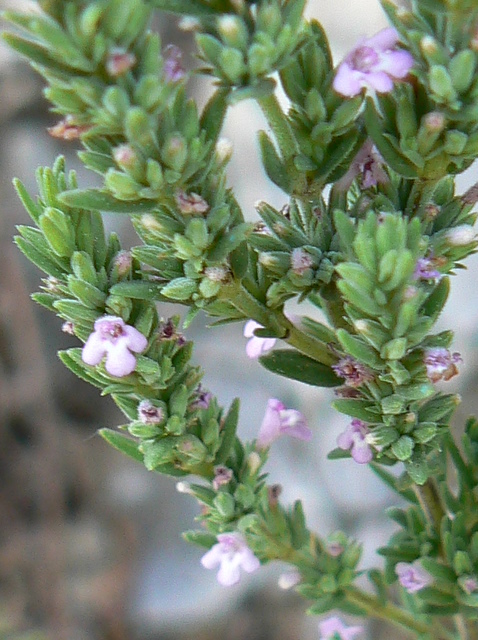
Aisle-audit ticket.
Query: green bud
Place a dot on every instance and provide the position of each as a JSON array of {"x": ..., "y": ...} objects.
[
  {"x": 225, "y": 505},
  {"x": 58, "y": 231},
  {"x": 455, "y": 141},
  {"x": 393, "y": 405},
  {"x": 178, "y": 401},
  {"x": 175, "y": 152},
  {"x": 245, "y": 496},
  {"x": 425, "y": 432},
  {"x": 121, "y": 185},
  {"x": 394, "y": 349},
  {"x": 462, "y": 70},
  {"x": 231, "y": 62},
  {"x": 402, "y": 449},
  {"x": 83, "y": 267},
  {"x": 158, "y": 452},
  {"x": 433, "y": 51},
  {"x": 441, "y": 85},
  {"x": 191, "y": 449},
  {"x": 462, "y": 563},
  {"x": 233, "y": 32}
]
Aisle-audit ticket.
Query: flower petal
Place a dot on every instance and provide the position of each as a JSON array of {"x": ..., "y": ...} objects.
[
  {"x": 93, "y": 350},
  {"x": 347, "y": 81},
  {"x": 134, "y": 339},
  {"x": 120, "y": 361}
]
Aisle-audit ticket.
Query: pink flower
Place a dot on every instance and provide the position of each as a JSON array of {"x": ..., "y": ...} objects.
[
  {"x": 367, "y": 166},
  {"x": 354, "y": 438},
  {"x": 354, "y": 372},
  {"x": 441, "y": 364},
  {"x": 374, "y": 64},
  {"x": 412, "y": 576},
  {"x": 173, "y": 67},
  {"x": 115, "y": 339},
  {"x": 230, "y": 554},
  {"x": 424, "y": 270},
  {"x": 280, "y": 421},
  {"x": 332, "y": 627},
  {"x": 256, "y": 346}
]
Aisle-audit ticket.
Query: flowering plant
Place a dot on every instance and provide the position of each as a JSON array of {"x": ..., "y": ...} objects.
[{"x": 367, "y": 155}]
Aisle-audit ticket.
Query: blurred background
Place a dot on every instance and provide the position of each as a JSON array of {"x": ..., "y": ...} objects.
[{"x": 90, "y": 542}]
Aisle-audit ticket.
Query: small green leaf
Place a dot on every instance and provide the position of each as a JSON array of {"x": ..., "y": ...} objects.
[
  {"x": 297, "y": 366},
  {"x": 122, "y": 443}
]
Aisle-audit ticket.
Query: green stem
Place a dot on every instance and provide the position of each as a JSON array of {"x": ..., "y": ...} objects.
[
  {"x": 431, "y": 504},
  {"x": 388, "y": 611},
  {"x": 279, "y": 124}
]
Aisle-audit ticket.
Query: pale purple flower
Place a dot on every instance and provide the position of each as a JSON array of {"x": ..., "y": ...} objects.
[
  {"x": 301, "y": 261},
  {"x": 68, "y": 327},
  {"x": 173, "y": 64},
  {"x": 289, "y": 579},
  {"x": 424, "y": 270},
  {"x": 190, "y": 203},
  {"x": 230, "y": 554},
  {"x": 256, "y": 346},
  {"x": 335, "y": 549},
  {"x": 115, "y": 340},
  {"x": 203, "y": 398},
  {"x": 354, "y": 439},
  {"x": 148, "y": 413},
  {"x": 354, "y": 372},
  {"x": 441, "y": 364},
  {"x": 367, "y": 166},
  {"x": 469, "y": 584},
  {"x": 280, "y": 421},
  {"x": 333, "y": 626},
  {"x": 222, "y": 476},
  {"x": 412, "y": 576},
  {"x": 374, "y": 64}
]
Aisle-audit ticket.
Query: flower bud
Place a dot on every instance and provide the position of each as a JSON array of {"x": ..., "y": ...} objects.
[
  {"x": 119, "y": 62},
  {"x": 461, "y": 235}
]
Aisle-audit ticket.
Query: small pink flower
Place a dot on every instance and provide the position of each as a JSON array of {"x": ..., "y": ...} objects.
[
  {"x": 354, "y": 438},
  {"x": 222, "y": 476},
  {"x": 354, "y": 372},
  {"x": 441, "y": 364},
  {"x": 256, "y": 346},
  {"x": 173, "y": 66},
  {"x": 230, "y": 554},
  {"x": 148, "y": 413},
  {"x": 424, "y": 270},
  {"x": 280, "y": 421},
  {"x": 202, "y": 398},
  {"x": 332, "y": 627},
  {"x": 117, "y": 340},
  {"x": 119, "y": 62},
  {"x": 367, "y": 167},
  {"x": 374, "y": 64},
  {"x": 412, "y": 576}
]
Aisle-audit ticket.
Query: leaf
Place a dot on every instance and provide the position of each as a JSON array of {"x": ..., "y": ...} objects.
[
  {"x": 122, "y": 443},
  {"x": 397, "y": 162},
  {"x": 273, "y": 164},
  {"x": 103, "y": 201},
  {"x": 228, "y": 432},
  {"x": 138, "y": 290},
  {"x": 297, "y": 366}
]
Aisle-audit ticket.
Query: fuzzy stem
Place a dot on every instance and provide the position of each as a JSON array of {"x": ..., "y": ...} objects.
[
  {"x": 279, "y": 124},
  {"x": 431, "y": 503},
  {"x": 388, "y": 612}
]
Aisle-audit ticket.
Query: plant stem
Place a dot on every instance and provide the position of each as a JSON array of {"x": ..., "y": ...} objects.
[
  {"x": 279, "y": 124},
  {"x": 389, "y": 612},
  {"x": 431, "y": 503}
]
